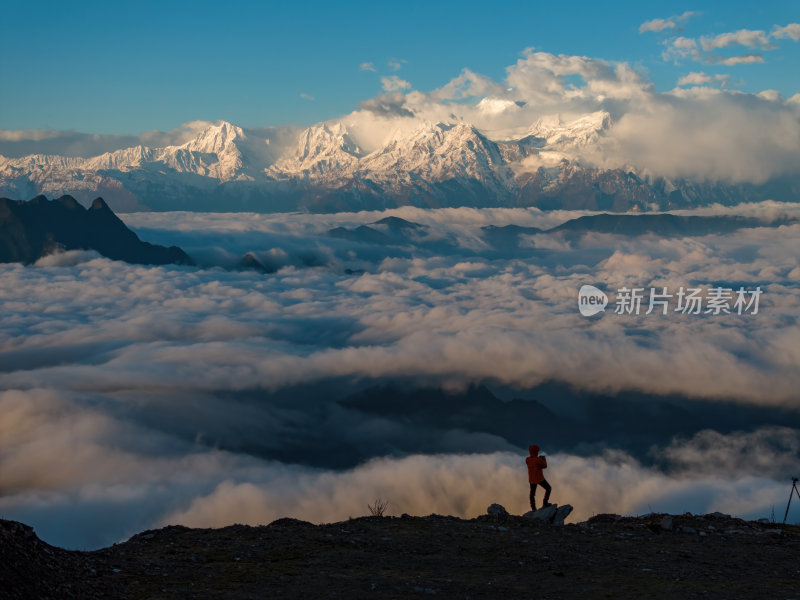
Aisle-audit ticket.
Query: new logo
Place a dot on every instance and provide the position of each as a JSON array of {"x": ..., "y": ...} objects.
[{"x": 591, "y": 300}]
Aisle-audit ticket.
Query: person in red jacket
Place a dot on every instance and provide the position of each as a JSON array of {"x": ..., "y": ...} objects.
[{"x": 535, "y": 476}]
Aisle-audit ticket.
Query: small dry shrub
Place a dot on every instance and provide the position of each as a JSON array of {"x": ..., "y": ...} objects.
[{"x": 378, "y": 508}]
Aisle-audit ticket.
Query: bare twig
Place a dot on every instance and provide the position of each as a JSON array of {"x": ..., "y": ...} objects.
[{"x": 378, "y": 508}]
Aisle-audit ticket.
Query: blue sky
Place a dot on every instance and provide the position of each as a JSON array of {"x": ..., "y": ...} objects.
[{"x": 134, "y": 67}]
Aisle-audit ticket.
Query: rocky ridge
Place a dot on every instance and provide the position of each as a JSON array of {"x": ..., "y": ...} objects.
[{"x": 496, "y": 555}]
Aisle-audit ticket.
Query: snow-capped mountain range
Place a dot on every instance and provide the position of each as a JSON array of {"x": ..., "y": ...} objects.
[{"x": 430, "y": 164}]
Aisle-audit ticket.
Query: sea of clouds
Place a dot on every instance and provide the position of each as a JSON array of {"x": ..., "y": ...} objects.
[{"x": 136, "y": 396}]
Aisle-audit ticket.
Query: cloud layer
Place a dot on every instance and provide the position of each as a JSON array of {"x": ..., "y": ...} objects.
[{"x": 139, "y": 396}]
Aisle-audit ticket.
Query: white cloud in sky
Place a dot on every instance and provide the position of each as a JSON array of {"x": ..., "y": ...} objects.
[
  {"x": 792, "y": 30},
  {"x": 744, "y": 59},
  {"x": 308, "y": 97},
  {"x": 393, "y": 84},
  {"x": 656, "y": 25},
  {"x": 395, "y": 64},
  {"x": 680, "y": 47},
  {"x": 696, "y": 78},
  {"x": 669, "y": 23},
  {"x": 743, "y": 37},
  {"x": 700, "y": 132},
  {"x": 367, "y": 66}
]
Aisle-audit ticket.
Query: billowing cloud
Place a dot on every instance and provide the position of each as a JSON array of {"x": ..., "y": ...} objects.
[
  {"x": 393, "y": 84},
  {"x": 702, "y": 49},
  {"x": 386, "y": 333},
  {"x": 656, "y": 25},
  {"x": 367, "y": 66},
  {"x": 664, "y": 24},
  {"x": 695, "y": 78},
  {"x": 86, "y": 477},
  {"x": 681, "y": 47},
  {"x": 792, "y": 30}
]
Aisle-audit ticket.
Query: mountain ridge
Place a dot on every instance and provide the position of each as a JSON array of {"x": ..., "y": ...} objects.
[
  {"x": 491, "y": 556},
  {"x": 30, "y": 230},
  {"x": 326, "y": 168}
]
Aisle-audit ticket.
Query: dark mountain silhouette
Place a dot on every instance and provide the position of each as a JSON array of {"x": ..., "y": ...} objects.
[
  {"x": 30, "y": 230},
  {"x": 506, "y": 237},
  {"x": 390, "y": 230},
  {"x": 396, "y": 224},
  {"x": 250, "y": 262},
  {"x": 362, "y": 234},
  {"x": 666, "y": 225}
]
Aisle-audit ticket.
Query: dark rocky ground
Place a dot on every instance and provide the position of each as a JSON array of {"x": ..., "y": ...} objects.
[{"x": 657, "y": 556}]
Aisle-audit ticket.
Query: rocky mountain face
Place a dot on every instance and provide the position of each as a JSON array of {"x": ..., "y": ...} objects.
[
  {"x": 33, "y": 229},
  {"x": 228, "y": 168}
]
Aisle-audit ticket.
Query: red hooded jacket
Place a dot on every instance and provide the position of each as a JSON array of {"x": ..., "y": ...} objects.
[{"x": 535, "y": 465}]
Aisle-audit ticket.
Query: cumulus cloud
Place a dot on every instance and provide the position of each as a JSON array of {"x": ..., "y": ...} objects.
[
  {"x": 393, "y": 84},
  {"x": 792, "y": 30},
  {"x": 706, "y": 134},
  {"x": 656, "y": 25},
  {"x": 663, "y": 24},
  {"x": 396, "y": 64},
  {"x": 744, "y": 37},
  {"x": 710, "y": 134},
  {"x": 681, "y": 47},
  {"x": 366, "y": 66},
  {"x": 696, "y": 78},
  {"x": 702, "y": 49}
]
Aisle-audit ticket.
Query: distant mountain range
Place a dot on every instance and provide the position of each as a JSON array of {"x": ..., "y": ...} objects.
[
  {"x": 227, "y": 168},
  {"x": 397, "y": 231},
  {"x": 33, "y": 229}
]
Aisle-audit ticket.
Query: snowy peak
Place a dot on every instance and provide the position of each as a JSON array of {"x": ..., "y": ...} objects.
[
  {"x": 322, "y": 151},
  {"x": 438, "y": 152},
  {"x": 123, "y": 160},
  {"x": 218, "y": 139},
  {"x": 560, "y": 135}
]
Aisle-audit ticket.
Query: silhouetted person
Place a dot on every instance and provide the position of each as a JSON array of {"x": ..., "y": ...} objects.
[{"x": 535, "y": 476}]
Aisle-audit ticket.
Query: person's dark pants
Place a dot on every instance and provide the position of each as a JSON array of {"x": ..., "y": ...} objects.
[{"x": 547, "y": 490}]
